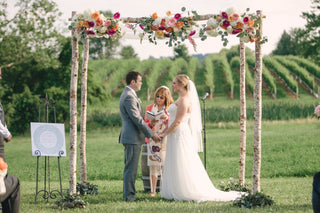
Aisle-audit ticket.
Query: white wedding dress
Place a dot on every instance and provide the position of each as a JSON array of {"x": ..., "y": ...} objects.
[{"x": 184, "y": 176}]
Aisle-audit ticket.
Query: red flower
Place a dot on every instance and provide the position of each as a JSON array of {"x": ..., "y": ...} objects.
[
  {"x": 116, "y": 15},
  {"x": 192, "y": 33},
  {"x": 111, "y": 32},
  {"x": 226, "y": 23},
  {"x": 224, "y": 15},
  {"x": 177, "y": 16}
]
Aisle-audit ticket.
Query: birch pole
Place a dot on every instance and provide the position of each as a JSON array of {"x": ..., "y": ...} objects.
[
  {"x": 73, "y": 115},
  {"x": 257, "y": 110},
  {"x": 83, "y": 121},
  {"x": 243, "y": 115}
]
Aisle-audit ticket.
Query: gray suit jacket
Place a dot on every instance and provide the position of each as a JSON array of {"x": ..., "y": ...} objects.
[{"x": 134, "y": 129}]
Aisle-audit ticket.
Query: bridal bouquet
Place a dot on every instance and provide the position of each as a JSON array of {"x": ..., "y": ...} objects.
[
  {"x": 94, "y": 24},
  {"x": 317, "y": 111},
  {"x": 3, "y": 173}
]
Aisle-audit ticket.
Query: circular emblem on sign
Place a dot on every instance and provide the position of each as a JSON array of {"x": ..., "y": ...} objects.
[{"x": 48, "y": 139}]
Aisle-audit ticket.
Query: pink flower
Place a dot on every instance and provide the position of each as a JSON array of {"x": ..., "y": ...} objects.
[
  {"x": 192, "y": 33},
  {"x": 226, "y": 23},
  {"x": 246, "y": 19},
  {"x": 107, "y": 23},
  {"x": 235, "y": 16},
  {"x": 116, "y": 15},
  {"x": 172, "y": 22},
  {"x": 249, "y": 29},
  {"x": 177, "y": 16},
  {"x": 224, "y": 15}
]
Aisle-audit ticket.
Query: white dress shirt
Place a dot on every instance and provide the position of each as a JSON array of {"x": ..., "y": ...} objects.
[{"x": 4, "y": 130}]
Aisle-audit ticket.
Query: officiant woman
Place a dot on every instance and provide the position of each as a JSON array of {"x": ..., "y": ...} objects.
[{"x": 156, "y": 150}]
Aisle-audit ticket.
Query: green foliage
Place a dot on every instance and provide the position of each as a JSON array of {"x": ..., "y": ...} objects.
[
  {"x": 87, "y": 189},
  {"x": 181, "y": 51},
  {"x": 234, "y": 185},
  {"x": 70, "y": 202},
  {"x": 25, "y": 111},
  {"x": 285, "y": 46},
  {"x": 254, "y": 200},
  {"x": 128, "y": 52}
]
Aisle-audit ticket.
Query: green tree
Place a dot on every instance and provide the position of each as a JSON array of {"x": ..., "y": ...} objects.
[
  {"x": 309, "y": 37},
  {"x": 286, "y": 45},
  {"x": 181, "y": 51},
  {"x": 128, "y": 52}
]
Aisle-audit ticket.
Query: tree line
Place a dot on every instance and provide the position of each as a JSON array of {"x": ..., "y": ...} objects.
[{"x": 35, "y": 58}]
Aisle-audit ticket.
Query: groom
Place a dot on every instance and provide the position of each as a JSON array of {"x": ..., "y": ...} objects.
[{"x": 133, "y": 132}]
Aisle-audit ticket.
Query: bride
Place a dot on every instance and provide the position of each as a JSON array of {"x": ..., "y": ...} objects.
[{"x": 184, "y": 176}]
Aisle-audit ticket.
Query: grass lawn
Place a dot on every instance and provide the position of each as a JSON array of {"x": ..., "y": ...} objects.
[{"x": 290, "y": 157}]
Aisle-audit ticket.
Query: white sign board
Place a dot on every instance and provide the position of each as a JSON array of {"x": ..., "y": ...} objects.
[{"x": 48, "y": 139}]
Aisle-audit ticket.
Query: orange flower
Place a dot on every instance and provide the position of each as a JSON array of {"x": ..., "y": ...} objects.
[
  {"x": 190, "y": 17},
  {"x": 154, "y": 16},
  {"x": 163, "y": 22},
  {"x": 99, "y": 21},
  {"x": 154, "y": 28},
  {"x": 223, "y": 27},
  {"x": 160, "y": 33},
  {"x": 251, "y": 22},
  {"x": 179, "y": 24},
  {"x": 86, "y": 24},
  {"x": 116, "y": 28},
  {"x": 253, "y": 39},
  {"x": 169, "y": 13},
  {"x": 230, "y": 18},
  {"x": 218, "y": 18},
  {"x": 80, "y": 24},
  {"x": 3, "y": 164},
  {"x": 239, "y": 25},
  {"x": 95, "y": 15},
  {"x": 169, "y": 29}
]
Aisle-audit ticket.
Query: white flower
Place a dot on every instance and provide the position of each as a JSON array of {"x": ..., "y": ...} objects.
[
  {"x": 212, "y": 23},
  {"x": 87, "y": 14},
  {"x": 213, "y": 33},
  {"x": 229, "y": 29},
  {"x": 245, "y": 39},
  {"x": 231, "y": 11},
  {"x": 233, "y": 23},
  {"x": 102, "y": 29},
  {"x": 157, "y": 21}
]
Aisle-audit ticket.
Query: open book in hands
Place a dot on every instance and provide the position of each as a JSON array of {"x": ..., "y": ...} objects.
[{"x": 155, "y": 116}]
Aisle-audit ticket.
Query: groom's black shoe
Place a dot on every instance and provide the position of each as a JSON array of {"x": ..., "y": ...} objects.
[{"x": 130, "y": 200}]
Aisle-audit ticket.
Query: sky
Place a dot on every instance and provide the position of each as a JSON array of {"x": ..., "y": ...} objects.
[{"x": 280, "y": 15}]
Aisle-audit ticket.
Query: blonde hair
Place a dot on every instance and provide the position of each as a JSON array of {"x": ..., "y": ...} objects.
[
  {"x": 183, "y": 79},
  {"x": 164, "y": 91}
]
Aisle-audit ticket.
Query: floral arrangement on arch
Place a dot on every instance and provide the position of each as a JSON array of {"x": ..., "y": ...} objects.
[
  {"x": 95, "y": 24},
  {"x": 231, "y": 21},
  {"x": 174, "y": 27}
]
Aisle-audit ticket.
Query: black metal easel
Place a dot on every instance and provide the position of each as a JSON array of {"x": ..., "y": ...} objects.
[{"x": 48, "y": 103}]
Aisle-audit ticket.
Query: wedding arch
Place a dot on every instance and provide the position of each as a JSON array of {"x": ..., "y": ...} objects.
[{"x": 174, "y": 28}]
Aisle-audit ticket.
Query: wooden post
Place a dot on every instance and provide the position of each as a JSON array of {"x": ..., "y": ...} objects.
[
  {"x": 257, "y": 111},
  {"x": 83, "y": 121},
  {"x": 243, "y": 115},
  {"x": 73, "y": 115}
]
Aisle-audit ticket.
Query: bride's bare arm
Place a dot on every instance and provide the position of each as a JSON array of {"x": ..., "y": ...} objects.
[{"x": 182, "y": 109}]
